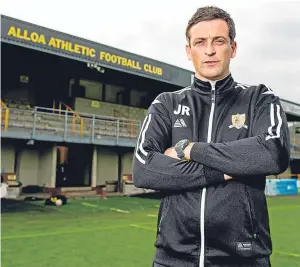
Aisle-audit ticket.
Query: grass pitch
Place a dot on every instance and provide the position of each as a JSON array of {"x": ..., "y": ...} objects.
[{"x": 116, "y": 232}]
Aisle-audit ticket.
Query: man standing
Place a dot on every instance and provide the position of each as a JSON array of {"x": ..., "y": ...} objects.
[{"x": 209, "y": 147}]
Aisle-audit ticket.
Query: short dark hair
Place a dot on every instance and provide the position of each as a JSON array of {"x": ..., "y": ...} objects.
[{"x": 210, "y": 13}]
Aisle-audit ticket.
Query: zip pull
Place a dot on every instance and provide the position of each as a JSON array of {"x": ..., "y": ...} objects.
[
  {"x": 213, "y": 92},
  {"x": 213, "y": 97}
]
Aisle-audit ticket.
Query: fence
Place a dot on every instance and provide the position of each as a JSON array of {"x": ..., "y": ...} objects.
[{"x": 66, "y": 122}]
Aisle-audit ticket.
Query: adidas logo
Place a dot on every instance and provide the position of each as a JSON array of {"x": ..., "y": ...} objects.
[
  {"x": 244, "y": 246},
  {"x": 179, "y": 123}
]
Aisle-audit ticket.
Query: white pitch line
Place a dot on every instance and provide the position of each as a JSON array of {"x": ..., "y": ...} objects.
[
  {"x": 88, "y": 204},
  {"x": 287, "y": 253},
  {"x": 142, "y": 227},
  {"x": 118, "y": 210},
  {"x": 132, "y": 202}
]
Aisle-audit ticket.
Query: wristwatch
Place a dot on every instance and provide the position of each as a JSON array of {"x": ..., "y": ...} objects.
[{"x": 179, "y": 148}]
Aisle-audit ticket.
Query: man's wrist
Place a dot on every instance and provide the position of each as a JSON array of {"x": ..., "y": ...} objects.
[
  {"x": 187, "y": 151},
  {"x": 180, "y": 147},
  {"x": 199, "y": 153}
]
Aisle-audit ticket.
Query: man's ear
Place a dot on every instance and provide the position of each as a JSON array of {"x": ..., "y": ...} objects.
[
  {"x": 188, "y": 50},
  {"x": 233, "y": 49}
]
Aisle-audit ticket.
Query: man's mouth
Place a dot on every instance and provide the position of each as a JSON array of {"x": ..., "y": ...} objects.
[{"x": 211, "y": 62}]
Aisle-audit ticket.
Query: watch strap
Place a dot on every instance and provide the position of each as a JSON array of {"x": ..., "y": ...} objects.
[{"x": 180, "y": 152}]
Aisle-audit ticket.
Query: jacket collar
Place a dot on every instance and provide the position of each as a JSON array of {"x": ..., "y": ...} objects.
[{"x": 221, "y": 86}]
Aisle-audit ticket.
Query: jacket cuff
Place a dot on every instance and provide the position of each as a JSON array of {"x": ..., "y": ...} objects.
[
  {"x": 213, "y": 176},
  {"x": 199, "y": 152}
]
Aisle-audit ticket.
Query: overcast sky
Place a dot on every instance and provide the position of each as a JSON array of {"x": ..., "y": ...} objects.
[{"x": 268, "y": 32}]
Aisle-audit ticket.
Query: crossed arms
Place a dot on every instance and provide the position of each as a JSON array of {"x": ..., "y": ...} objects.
[{"x": 265, "y": 153}]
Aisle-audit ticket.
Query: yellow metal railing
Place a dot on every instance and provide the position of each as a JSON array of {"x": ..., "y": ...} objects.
[
  {"x": 66, "y": 121},
  {"x": 75, "y": 115},
  {"x": 131, "y": 128},
  {"x": 5, "y": 109}
]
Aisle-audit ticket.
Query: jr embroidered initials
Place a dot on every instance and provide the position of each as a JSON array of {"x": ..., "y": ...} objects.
[{"x": 183, "y": 110}]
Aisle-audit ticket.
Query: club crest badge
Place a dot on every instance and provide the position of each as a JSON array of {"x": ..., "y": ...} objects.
[{"x": 238, "y": 121}]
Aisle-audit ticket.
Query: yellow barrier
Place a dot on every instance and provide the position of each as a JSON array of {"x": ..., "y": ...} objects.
[
  {"x": 81, "y": 127},
  {"x": 75, "y": 116},
  {"x": 131, "y": 129},
  {"x": 6, "y": 116}
]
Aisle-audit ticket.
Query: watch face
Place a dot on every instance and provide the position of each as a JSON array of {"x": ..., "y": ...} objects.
[
  {"x": 182, "y": 143},
  {"x": 180, "y": 146}
]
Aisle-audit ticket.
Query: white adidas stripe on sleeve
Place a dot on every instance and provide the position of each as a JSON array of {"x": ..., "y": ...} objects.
[
  {"x": 269, "y": 92},
  {"x": 273, "y": 124},
  {"x": 138, "y": 141},
  {"x": 142, "y": 134}
]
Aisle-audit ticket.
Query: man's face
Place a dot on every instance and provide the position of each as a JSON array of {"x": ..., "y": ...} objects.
[{"x": 210, "y": 49}]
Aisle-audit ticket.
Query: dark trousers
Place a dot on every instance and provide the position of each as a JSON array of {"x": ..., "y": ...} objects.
[
  {"x": 236, "y": 262},
  {"x": 229, "y": 262}
]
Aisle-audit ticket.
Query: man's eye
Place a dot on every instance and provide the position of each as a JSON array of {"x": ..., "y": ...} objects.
[
  {"x": 220, "y": 41},
  {"x": 199, "y": 42}
]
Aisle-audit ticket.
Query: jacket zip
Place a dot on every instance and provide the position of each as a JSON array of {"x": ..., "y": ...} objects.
[
  {"x": 251, "y": 213},
  {"x": 202, "y": 204},
  {"x": 163, "y": 213}
]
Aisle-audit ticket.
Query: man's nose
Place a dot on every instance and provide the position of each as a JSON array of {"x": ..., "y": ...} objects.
[{"x": 210, "y": 50}]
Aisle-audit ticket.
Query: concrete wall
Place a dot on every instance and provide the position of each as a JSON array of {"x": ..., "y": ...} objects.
[
  {"x": 107, "y": 165},
  {"x": 47, "y": 165},
  {"x": 7, "y": 157},
  {"x": 127, "y": 163},
  {"x": 35, "y": 165},
  {"x": 109, "y": 109},
  {"x": 28, "y": 166}
]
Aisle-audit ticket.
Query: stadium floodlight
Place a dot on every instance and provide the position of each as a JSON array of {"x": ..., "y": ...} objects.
[
  {"x": 95, "y": 66},
  {"x": 30, "y": 142}
]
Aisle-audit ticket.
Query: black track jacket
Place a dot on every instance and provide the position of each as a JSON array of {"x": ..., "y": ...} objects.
[{"x": 239, "y": 130}]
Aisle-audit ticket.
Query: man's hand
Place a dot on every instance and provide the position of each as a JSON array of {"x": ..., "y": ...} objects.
[
  {"x": 171, "y": 152},
  {"x": 227, "y": 177}
]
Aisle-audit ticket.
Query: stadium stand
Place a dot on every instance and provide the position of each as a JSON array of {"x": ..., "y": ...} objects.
[{"x": 70, "y": 120}]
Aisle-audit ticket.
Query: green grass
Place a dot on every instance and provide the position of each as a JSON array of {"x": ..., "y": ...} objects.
[{"x": 114, "y": 232}]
